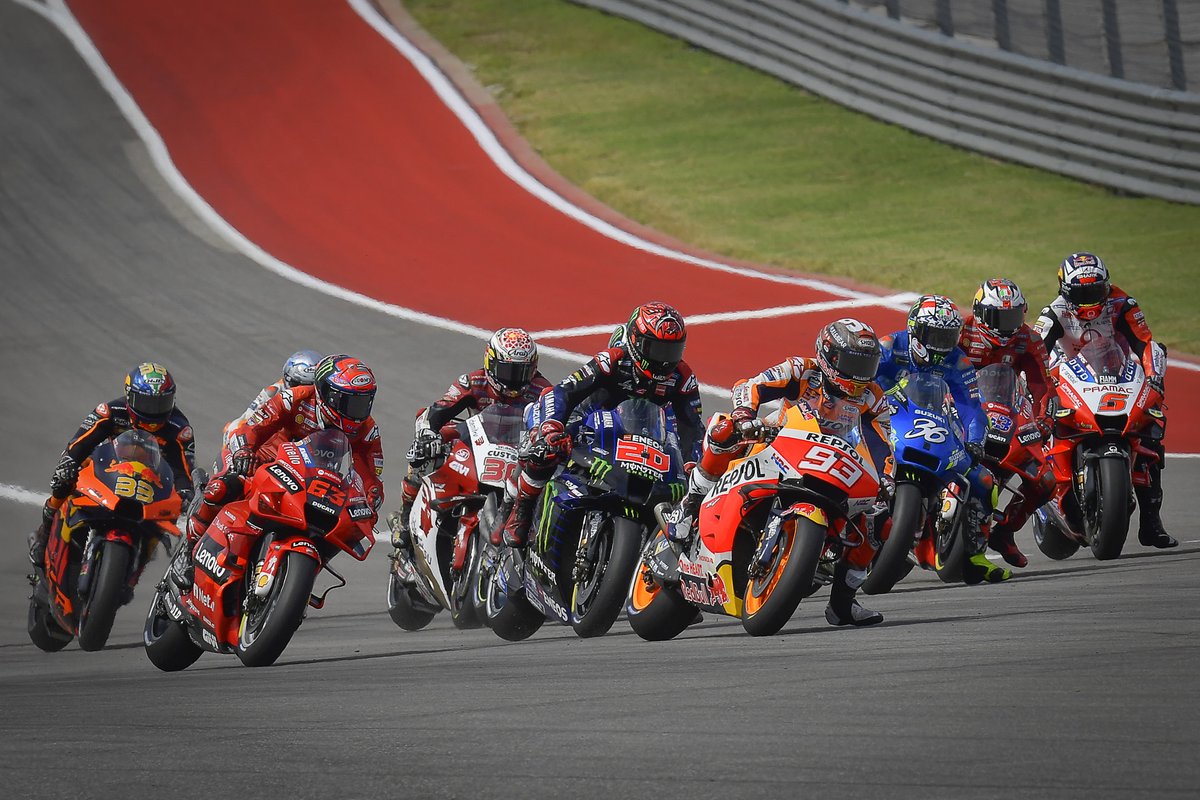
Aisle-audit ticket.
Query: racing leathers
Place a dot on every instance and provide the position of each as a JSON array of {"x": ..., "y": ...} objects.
[
  {"x": 262, "y": 397},
  {"x": 1120, "y": 317},
  {"x": 472, "y": 392},
  {"x": 289, "y": 416},
  {"x": 959, "y": 374},
  {"x": 1025, "y": 353},
  {"x": 106, "y": 421},
  {"x": 606, "y": 380},
  {"x": 796, "y": 381}
]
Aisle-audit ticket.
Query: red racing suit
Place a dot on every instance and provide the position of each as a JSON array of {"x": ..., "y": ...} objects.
[
  {"x": 1026, "y": 353},
  {"x": 289, "y": 416}
]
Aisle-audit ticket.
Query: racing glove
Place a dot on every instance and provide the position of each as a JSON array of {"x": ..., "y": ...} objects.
[
  {"x": 426, "y": 446},
  {"x": 1156, "y": 383},
  {"x": 63, "y": 479},
  {"x": 242, "y": 461},
  {"x": 553, "y": 434},
  {"x": 975, "y": 450},
  {"x": 747, "y": 424}
]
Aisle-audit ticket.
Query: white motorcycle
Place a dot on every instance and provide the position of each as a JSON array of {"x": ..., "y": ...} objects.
[{"x": 452, "y": 520}]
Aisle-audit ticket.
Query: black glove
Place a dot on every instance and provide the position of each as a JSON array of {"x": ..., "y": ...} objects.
[
  {"x": 427, "y": 445},
  {"x": 975, "y": 450},
  {"x": 242, "y": 462},
  {"x": 48, "y": 512},
  {"x": 186, "y": 496},
  {"x": 64, "y": 475},
  {"x": 1156, "y": 383}
]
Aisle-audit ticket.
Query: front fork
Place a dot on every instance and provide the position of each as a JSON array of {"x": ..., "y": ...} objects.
[{"x": 589, "y": 547}]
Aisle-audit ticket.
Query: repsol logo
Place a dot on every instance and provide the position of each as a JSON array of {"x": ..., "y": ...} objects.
[
  {"x": 208, "y": 560},
  {"x": 285, "y": 480},
  {"x": 745, "y": 472}
]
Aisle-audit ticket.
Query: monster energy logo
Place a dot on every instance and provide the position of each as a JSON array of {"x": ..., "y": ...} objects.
[
  {"x": 544, "y": 520},
  {"x": 599, "y": 469},
  {"x": 677, "y": 490}
]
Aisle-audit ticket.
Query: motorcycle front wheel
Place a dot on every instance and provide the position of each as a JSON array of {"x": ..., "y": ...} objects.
[
  {"x": 1109, "y": 526},
  {"x": 266, "y": 630},
  {"x": 462, "y": 608},
  {"x": 104, "y": 598},
  {"x": 772, "y": 598},
  {"x": 168, "y": 645},
  {"x": 403, "y": 605},
  {"x": 44, "y": 631},
  {"x": 511, "y": 616},
  {"x": 1051, "y": 540},
  {"x": 892, "y": 563},
  {"x": 659, "y": 613},
  {"x": 597, "y": 602}
]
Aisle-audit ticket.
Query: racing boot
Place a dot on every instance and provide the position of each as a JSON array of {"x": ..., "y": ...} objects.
[
  {"x": 398, "y": 524},
  {"x": 681, "y": 521},
  {"x": 1151, "y": 532},
  {"x": 980, "y": 569},
  {"x": 843, "y": 609},
  {"x": 516, "y": 527},
  {"x": 502, "y": 514},
  {"x": 1001, "y": 540},
  {"x": 41, "y": 537}
]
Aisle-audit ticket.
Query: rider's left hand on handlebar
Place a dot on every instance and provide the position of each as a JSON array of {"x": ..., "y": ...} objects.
[
  {"x": 975, "y": 450},
  {"x": 1157, "y": 384}
]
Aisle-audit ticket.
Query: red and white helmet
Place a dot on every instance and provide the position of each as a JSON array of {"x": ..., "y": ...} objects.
[
  {"x": 510, "y": 361},
  {"x": 999, "y": 310},
  {"x": 345, "y": 392},
  {"x": 655, "y": 337},
  {"x": 934, "y": 327}
]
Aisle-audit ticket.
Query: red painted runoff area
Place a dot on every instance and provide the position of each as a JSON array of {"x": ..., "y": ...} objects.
[{"x": 315, "y": 138}]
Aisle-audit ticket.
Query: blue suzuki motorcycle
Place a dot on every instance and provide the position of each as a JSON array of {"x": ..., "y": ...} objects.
[
  {"x": 588, "y": 530},
  {"x": 931, "y": 487}
]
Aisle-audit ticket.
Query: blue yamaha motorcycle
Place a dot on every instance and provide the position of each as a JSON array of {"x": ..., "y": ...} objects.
[
  {"x": 589, "y": 528},
  {"x": 931, "y": 485}
]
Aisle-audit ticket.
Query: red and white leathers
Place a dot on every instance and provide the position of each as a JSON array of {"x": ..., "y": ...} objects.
[
  {"x": 1024, "y": 352},
  {"x": 472, "y": 392},
  {"x": 1061, "y": 326},
  {"x": 289, "y": 416},
  {"x": 796, "y": 380},
  {"x": 260, "y": 399}
]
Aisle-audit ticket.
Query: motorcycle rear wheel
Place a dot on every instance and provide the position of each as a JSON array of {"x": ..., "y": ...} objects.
[
  {"x": 100, "y": 609},
  {"x": 1051, "y": 540},
  {"x": 44, "y": 631},
  {"x": 772, "y": 598},
  {"x": 1111, "y": 526},
  {"x": 403, "y": 608},
  {"x": 605, "y": 592},
  {"x": 264, "y": 635},
  {"x": 168, "y": 645},
  {"x": 892, "y": 564},
  {"x": 510, "y": 615},
  {"x": 656, "y": 614}
]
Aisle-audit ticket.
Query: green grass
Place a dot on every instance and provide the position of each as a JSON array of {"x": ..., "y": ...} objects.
[{"x": 742, "y": 164}]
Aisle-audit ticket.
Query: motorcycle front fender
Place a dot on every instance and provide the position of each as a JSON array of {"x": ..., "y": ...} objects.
[{"x": 274, "y": 553}]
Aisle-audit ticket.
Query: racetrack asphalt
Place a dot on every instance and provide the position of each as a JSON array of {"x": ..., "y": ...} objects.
[{"x": 1077, "y": 679}]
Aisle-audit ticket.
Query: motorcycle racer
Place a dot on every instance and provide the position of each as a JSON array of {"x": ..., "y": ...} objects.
[
  {"x": 297, "y": 371},
  {"x": 1088, "y": 306},
  {"x": 148, "y": 405},
  {"x": 929, "y": 344},
  {"x": 649, "y": 364},
  {"x": 509, "y": 376},
  {"x": 840, "y": 377},
  {"x": 995, "y": 333},
  {"x": 341, "y": 396}
]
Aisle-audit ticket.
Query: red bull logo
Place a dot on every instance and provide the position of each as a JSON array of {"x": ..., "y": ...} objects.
[{"x": 136, "y": 470}]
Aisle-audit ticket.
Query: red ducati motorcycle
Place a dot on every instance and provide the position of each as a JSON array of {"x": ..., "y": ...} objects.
[{"x": 256, "y": 564}]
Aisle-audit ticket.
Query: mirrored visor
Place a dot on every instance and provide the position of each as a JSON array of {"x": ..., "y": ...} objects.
[
  {"x": 351, "y": 405},
  {"x": 658, "y": 352},
  {"x": 153, "y": 405},
  {"x": 1005, "y": 321},
  {"x": 939, "y": 340},
  {"x": 860, "y": 367},
  {"x": 514, "y": 375}
]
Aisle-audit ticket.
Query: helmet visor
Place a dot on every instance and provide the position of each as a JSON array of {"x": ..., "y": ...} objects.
[
  {"x": 154, "y": 406},
  {"x": 513, "y": 374},
  {"x": 660, "y": 357},
  {"x": 936, "y": 339},
  {"x": 1005, "y": 321},
  {"x": 351, "y": 405},
  {"x": 1085, "y": 294},
  {"x": 857, "y": 367}
]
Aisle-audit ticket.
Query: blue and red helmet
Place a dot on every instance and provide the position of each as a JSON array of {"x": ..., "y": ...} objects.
[
  {"x": 655, "y": 337},
  {"x": 345, "y": 389},
  {"x": 149, "y": 395}
]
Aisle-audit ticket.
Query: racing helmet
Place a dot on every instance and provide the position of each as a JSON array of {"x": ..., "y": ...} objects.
[
  {"x": 934, "y": 327},
  {"x": 345, "y": 391},
  {"x": 299, "y": 368},
  {"x": 999, "y": 310},
  {"x": 655, "y": 337},
  {"x": 149, "y": 395},
  {"x": 1083, "y": 282},
  {"x": 848, "y": 356},
  {"x": 510, "y": 361}
]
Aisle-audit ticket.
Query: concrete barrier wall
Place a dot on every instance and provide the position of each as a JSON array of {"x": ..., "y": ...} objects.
[{"x": 1131, "y": 137}]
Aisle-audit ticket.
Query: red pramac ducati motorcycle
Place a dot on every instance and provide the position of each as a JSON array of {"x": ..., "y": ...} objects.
[{"x": 257, "y": 562}]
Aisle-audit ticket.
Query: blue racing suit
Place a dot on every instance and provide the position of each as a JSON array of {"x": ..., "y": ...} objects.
[{"x": 959, "y": 374}]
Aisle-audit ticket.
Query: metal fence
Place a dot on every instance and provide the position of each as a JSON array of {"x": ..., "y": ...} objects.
[
  {"x": 1135, "y": 137},
  {"x": 1155, "y": 42}
]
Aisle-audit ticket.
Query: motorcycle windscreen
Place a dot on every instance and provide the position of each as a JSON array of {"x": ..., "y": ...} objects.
[{"x": 997, "y": 384}]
